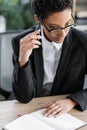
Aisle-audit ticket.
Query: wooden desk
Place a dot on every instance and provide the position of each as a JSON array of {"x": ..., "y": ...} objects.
[{"x": 10, "y": 109}]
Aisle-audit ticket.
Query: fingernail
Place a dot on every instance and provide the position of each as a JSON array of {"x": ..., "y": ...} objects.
[
  {"x": 19, "y": 115},
  {"x": 49, "y": 115},
  {"x": 45, "y": 115}
]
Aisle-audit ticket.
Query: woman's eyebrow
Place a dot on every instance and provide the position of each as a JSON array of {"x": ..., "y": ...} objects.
[{"x": 55, "y": 25}]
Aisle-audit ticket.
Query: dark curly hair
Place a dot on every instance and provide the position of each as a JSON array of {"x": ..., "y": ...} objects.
[{"x": 43, "y": 8}]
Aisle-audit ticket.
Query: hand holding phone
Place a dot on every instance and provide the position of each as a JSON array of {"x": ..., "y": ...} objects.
[{"x": 27, "y": 44}]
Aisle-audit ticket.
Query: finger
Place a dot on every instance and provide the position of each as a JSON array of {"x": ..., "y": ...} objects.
[
  {"x": 19, "y": 115},
  {"x": 29, "y": 45},
  {"x": 29, "y": 37},
  {"x": 46, "y": 106},
  {"x": 32, "y": 35},
  {"x": 52, "y": 106},
  {"x": 26, "y": 47},
  {"x": 36, "y": 42},
  {"x": 35, "y": 46},
  {"x": 63, "y": 111},
  {"x": 37, "y": 31},
  {"x": 50, "y": 111},
  {"x": 54, "y": 111}
]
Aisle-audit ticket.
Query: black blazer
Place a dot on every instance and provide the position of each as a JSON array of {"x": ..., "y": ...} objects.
[{"x": 69, "y": 79}]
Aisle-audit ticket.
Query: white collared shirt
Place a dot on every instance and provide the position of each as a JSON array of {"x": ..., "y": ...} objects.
[{"x": 51, "y": 56}]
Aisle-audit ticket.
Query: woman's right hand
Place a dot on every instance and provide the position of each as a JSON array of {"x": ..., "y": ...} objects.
[{"x": 27, "y": 44}]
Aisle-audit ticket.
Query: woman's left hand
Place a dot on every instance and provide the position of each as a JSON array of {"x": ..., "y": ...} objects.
[{"x": 59, "y": 107}]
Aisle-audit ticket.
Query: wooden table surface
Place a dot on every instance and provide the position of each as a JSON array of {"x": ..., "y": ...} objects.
[{"x": 10, "y": 109}]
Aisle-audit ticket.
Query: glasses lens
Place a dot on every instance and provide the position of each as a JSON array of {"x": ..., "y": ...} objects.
[{"x": 58, "y": 31}]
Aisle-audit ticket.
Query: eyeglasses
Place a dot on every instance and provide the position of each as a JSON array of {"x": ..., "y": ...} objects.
[{"x": 57, "y": 30}]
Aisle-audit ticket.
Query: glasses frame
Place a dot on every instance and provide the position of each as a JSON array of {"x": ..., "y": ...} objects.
[{"x": 61, "y": 28}]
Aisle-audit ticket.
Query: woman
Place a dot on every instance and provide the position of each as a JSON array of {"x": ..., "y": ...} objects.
[{"x": 50, "y": 59}]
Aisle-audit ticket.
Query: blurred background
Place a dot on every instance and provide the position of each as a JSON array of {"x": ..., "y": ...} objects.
[
  {"x": 81, "y": 14},
  {"x": 17, "y": 14}
]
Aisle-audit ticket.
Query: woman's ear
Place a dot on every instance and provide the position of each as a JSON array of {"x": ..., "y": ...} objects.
[{"x": 36, "y": 18}]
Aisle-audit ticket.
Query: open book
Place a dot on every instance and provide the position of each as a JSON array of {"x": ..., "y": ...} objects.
[{"x": 36, "y": 121}]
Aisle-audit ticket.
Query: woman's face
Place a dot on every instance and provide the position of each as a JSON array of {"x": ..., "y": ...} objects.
[{"x": 53, "y": 26}]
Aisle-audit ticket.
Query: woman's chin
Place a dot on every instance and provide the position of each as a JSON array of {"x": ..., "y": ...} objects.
[{"x": 60, "y": 40}]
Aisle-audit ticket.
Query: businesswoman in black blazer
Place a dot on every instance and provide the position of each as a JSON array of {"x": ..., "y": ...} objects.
[{"x": 51, "y": 58}]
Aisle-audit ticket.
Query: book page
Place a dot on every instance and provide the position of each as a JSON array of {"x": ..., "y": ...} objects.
[
  {"x": 36, "y": 121},
  {"x": 27, "y": 122},
  {"x": 63, "y": 122}
]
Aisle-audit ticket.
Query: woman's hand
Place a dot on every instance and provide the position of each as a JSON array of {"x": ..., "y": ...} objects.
[
  {"x": 59, "y": 107},
  {"x": 27, "y": 44}
]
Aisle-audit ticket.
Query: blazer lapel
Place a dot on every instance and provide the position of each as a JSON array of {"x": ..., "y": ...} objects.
[
  {"x": 39, "y": 70},
  {"x": 65, "y": 55}
]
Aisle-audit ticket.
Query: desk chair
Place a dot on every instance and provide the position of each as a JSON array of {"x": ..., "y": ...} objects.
[{"x": 6, "y": 65}]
